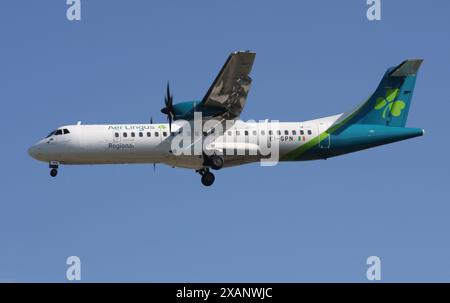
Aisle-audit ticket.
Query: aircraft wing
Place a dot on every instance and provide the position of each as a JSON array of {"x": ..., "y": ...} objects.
[{"x": 228, "y": 92}]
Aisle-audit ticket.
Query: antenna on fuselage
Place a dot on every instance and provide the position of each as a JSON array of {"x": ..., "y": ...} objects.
[{"x": 151, "y": 120}]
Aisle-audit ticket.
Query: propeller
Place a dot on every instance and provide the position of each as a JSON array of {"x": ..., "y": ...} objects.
[{"x": 168, "y": 110}]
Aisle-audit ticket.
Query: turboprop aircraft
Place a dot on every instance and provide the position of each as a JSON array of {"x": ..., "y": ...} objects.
[{"x": 207, "y": 134}]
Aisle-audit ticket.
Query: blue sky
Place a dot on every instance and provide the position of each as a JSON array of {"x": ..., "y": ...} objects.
[{"x": 296, "y": 222}]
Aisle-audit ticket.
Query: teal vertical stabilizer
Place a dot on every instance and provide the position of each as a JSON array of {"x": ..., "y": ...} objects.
[{"x": 389, "y": 104}]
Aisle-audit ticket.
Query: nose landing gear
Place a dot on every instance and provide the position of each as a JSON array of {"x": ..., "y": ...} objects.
[
  {"x": 53, "y": 172},
  {"x": 207, "y": 177},
  {"x": 54, "y": 168}
]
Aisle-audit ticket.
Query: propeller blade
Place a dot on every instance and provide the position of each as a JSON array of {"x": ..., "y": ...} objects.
[
  {"x": 168, "y": 110},
  {"x": 169, "y": 98}
]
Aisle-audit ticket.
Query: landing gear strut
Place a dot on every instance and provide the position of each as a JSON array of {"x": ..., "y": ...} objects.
[
  {"x": 207, "y": 177},
  {"x": 54, "y": 169}
]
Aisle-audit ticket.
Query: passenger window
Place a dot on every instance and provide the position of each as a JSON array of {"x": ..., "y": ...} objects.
[
  {"x": 58, "y": 132},
  {"x": 66, "y": 131},
  {"x": 286, "y": 132},
  {"x": 302, "y": 132},
  {"x": 116, "y": 135},
  {"x": 141, "y": 134},
  {"x": 132, "y": 134},
  {"x": 270, "y": 132},
  {"x": 229, "y": 133},
  {"x": 279, "y": 132},
  {"x": 246, "y": 133},
  {"x": 237, "y": 133},
  {"x": 309, "y": 132},
  {"x": 263, "y": 132},
  {"x": 294, "y": 132},
  {"x": 254, "y": 133},
  {"x": 164, "y": 134},
  {"x": 124, "y": 135},
  {"x": 156, "y": 134},
  {"x": 149, "y": 134}
]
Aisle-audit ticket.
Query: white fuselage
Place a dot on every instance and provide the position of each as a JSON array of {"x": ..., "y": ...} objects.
[{"x": 152, "y": 143}]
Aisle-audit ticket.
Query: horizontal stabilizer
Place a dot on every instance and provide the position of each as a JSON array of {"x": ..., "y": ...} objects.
[{"x": 406, "y": 68}]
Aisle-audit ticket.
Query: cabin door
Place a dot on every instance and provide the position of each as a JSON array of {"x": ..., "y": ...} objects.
[{"x": 325, "y": 142}]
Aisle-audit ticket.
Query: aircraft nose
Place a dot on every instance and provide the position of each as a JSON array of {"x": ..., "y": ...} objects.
[{"x": 33, "y": 151}]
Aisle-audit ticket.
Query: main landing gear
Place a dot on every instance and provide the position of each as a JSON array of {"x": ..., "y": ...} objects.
[
  {"x": 214, "y": 162},
  {"x": 54, "y": 169},
  {"x": 207, "y": 176}
]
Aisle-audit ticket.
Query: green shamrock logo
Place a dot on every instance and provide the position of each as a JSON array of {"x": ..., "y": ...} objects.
[{"x": 388, "y": 103}]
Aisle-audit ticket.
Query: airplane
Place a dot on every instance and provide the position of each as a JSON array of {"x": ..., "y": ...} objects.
[{"x": 228, "y": 141}]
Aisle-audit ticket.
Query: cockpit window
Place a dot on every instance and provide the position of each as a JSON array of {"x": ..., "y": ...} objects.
[
  {"x": 66, "y": 131},
  {"x": 51, "y": 134},
  {"x": 58, "y": 132}
]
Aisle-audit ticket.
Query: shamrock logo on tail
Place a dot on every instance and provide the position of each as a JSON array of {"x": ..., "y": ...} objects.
[{"x": 388, "y": 103}]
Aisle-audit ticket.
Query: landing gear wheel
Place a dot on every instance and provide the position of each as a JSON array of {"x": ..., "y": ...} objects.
[
  {"x": 216, "y": 162},
  {"x": 208, "y": 178},
  {"x": 53, "y": 172}
]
